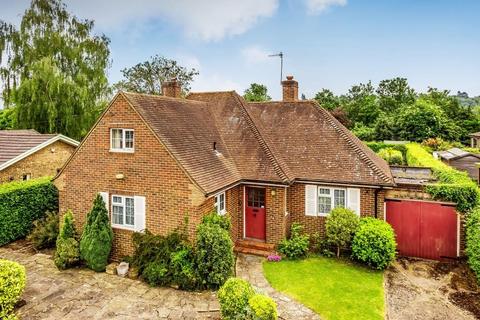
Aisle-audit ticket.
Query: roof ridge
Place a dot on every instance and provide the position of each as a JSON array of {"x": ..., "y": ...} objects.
[
  {"x": 348, "y": 138},
  {"x": 160, "y": 97},
  {"x": 208, "y": 92},
  {"x": 267, "y": 147}
]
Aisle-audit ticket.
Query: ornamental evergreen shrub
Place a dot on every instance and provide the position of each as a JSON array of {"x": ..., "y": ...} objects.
[
  {"x": 45, "y": 231},
  {"x": 374, "y": 243},
  {"x": 214, "y": 255},
  {"x": 12, "y": 283},
  {"x": 297, "y": 245},
  {"x": 473, "y": 241},
  {"x": 234, "y": 296},
  {"x": 262, "y": 307},
  {"x": 23, "y": 202},
  {"x": 156, "y": 273},
  {"x": 97, "y": 237},
  {"x": 221, "y": 220},
  {"x": 68, "y": 251},
  {"x": 340, "y": 226},
  {"x": 183, "y": 269}
]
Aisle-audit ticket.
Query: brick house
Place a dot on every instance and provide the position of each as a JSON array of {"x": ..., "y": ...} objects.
[
  {"x": 156, "y": 159},
  {"x": 27, "y": 154}
]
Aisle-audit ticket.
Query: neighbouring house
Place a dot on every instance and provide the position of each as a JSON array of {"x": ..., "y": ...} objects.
[
  {"x": 156, "y": 159},
  {"x": 461, "y": 160},
  {"x": 475, "y": 139},
  {"x": 27, "y": 154}
]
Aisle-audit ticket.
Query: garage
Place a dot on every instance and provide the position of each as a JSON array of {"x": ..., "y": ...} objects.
[{"x": 424, "y": 229}]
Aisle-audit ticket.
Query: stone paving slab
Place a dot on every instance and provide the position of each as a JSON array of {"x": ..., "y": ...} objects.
[{"x": 80, "y": 293}]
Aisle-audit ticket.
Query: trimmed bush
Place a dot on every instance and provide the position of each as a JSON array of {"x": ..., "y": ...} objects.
[
  {"x": 156, "y": 273},
  {"x": 97, "y": 237},
  {"x": 68, "y": 248},
  {"x": 374, "y": 243},
  {"x": 263, "y": 307},
  {"x": 297, "y": 245},
  {"x": 45, "y": 231},
  {"x": 214, "y": 255},
  {"x": 214, "y": 218},
  {"x": 473, "y": 241},
  {"x": 23, "y": 202},
  {"x": 454, "y": 186},
  {"x": 340, "y": 226},
  {"x": 234, "y": 296},
  {"x": 182, "y": 266},
  {"x": 392, "y": 156},
  {"x": 12, "y": 283}
]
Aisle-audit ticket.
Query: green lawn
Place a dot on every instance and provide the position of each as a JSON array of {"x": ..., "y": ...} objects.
[{"x": 335, "y": 289}]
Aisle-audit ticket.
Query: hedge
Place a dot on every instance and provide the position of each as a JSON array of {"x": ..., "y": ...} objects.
[
  {"x": 473, "y": 241},
  {"x": 377, "y": 146},
  {"x": 23, "y": 202},
  {"x": 453, "y": 185}
]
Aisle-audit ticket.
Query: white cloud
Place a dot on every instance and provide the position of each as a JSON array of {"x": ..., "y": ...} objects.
[
  {"x": 319, "y": 6},
  {"x": 255, "y": 54}
]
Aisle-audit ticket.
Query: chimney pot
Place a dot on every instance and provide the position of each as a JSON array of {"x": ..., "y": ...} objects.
[
  {"x": 172, "y": 88},
  {"x": 290, "y": 89}
]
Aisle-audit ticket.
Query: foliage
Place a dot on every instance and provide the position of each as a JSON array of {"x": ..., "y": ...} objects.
[
  {"x": 23, "y": 202},
  {"x": 7, "y": 118},
  {"x": 97, "y": 237},
  {"x": 12, "y": 283},
  {"x": 45, "y": 231},
  {"x": 221, "y": 220},
  {"x": 297, "y": 245},
  {"x": 392, "y": 156},
  {"x": 53, "y": 69},
  {"x": 454, "y": 185},
  {"x": 315, "y": 282},
  {"x": 234, "y": 296},
  {"x": 374, "y": 243},
  {"x": 148, "y": 76},
  {"x": 68, "y": 248},
  {"x": 394, "y": 93},
  {"x": 340, "y": 226},
  {"x": 263, "y": 307},
  {"x": 214, "y": 255},
  {"x": 256, "y": 93},
  {"x": 363, "y": 132},
  {"x": 155, "y": 273},
  {"x": 326, "y": 99},
  {"x": 320, "y": 245},
  {"x": 473, "y": 240},
  {"x": 362, "y": 104},
  {"x": 183, "y": 269},
  {"x": 436, "y": 144}
]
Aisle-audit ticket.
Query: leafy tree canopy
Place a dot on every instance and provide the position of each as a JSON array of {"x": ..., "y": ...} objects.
[
  {"x": 148, "y": 76},
  {"x": 256, "y": 92}
]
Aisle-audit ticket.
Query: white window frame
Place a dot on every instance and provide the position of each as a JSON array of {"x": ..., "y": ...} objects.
[
  {"x": 124, "y": 206},
  {"x": 122, "y": 141},
  {"x": 331, "y": 196},
  {"x": 221, "y": 211}
]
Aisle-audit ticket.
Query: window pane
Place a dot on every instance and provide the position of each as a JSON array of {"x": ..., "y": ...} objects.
[
  {"x": 324, "y": 204},
  {"x": 339, "y": 198},
  {"x": 129, "y": 211},
  {"x": 117, "y": 138},
  {"x": 323, "y": 191},
  {"x": 117, "y": 214},
  {"x": 221, "y": 203},
  {"x": 116, "y": 199},
  {"x": 129, "y": 139}
]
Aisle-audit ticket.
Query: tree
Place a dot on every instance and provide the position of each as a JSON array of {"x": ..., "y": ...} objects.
[
  {"x": 148, "y": 76},
  {"x": 340, "y": 227},
  {"x": 362, "y": 105},
  {"x": 326, "y": 99},
  {"x": 7, "y": 118},
  {"x": 67, "y": 253},
  {"x": 53, "y": 69},
  {"x": 394, "y": 93},
  {"x": 256, "y": 92}
]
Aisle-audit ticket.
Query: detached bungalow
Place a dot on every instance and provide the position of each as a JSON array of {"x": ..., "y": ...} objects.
[{"x": 156, "y": 159}]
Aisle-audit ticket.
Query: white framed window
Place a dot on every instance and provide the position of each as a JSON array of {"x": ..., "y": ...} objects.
[
  {"x": 321, "y": 200},
  {"x": 330, "y": 198},
  {"x": 220, "y": 205},
  {"x": 123, "y": 211},
  {"x": 121, "y": 140}
]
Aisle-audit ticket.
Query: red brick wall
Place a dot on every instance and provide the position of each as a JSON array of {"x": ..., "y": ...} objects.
[{"x": 150, "y": 171}]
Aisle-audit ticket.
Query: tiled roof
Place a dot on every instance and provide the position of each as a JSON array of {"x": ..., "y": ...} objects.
[
  {"x": 270, "y": 142},
  {"x": 16, "y": 142},
  {"x": 455, "y": 153}
]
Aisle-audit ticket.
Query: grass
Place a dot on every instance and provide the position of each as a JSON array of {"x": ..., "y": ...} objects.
[{"x": 333, "y": 288}]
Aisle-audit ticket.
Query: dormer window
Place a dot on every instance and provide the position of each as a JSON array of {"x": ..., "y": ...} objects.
[{"x": 121, "y": 140}]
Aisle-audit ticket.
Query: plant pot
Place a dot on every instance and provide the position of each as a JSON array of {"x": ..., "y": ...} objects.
[{"x": 122, "y": 269}]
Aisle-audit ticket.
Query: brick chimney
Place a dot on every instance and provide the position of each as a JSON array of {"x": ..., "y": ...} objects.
[
  {"x": 172, "y": 88},
  {"x": 290, "y": 89}
]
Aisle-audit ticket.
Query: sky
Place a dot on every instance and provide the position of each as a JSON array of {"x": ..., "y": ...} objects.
[{"x": 331, "y": 44}]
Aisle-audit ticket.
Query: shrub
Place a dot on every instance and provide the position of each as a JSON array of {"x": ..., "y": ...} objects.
[
  {"x": 297, "y": 245},
  {"x": 392, "y": 156},
  {"x": 45, "y": 231},
  {"x": 374, "y": 243},
  {"x": 340, "y": 227},
  {"x": 214, "y": 255},
  {"x": 97, "y": 237},
  {"x": 233, "y": 297},
  {"x": 155, "y": 273},
  {"x": 214, "y": 218},
  {"x": 182, "y": 265},
  {"x": 263, "y": 307},
  {"x": 473, "y": 240},
  {"x": 23, "y": 202},
  {"x": 68, "y": 251},
  {"x": 436, "y": 144},
  {"x": 12, "y": 283},
  {"x": 320, "y": 245}
]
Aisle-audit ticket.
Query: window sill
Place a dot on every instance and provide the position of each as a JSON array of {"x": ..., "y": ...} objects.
[
  {"x": 123, "y": 227},
  {"x": 121, "y": 151}
]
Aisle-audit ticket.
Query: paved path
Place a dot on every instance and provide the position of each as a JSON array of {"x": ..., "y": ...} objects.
[{"x": 83, "y": 294}]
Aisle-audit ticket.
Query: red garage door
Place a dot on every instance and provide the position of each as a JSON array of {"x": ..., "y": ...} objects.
[{"x": 424, "y": 229}]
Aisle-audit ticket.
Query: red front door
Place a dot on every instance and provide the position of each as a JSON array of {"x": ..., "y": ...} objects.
[{"x": 255, "y": 215}]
